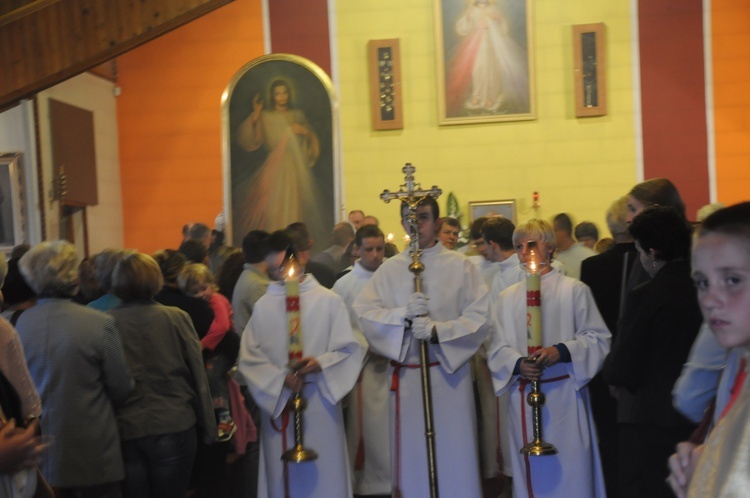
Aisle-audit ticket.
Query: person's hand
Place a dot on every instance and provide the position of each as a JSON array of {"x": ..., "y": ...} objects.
[
  {"x": 682, "y": 466},
  {"x": 421, "y": 328},
  {"x": 294, "y": 381},
  {"x": 299, "y": 129},
  {"x": 416, "y": 305},
  {"x": 530, "y": 369},
  {"x": 19, "y": 448},
  {"x": 307, "y": 365},
  {"x": 257, "y": 105},
  {"x": 546, "y": 357}
]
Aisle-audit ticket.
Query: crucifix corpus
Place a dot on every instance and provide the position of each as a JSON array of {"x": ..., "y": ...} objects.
[{"x": 412, "y": 194}]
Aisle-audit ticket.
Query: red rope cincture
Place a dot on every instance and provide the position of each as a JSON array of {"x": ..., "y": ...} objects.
[
  {"x": 522, "y": 390},
  {"x": 282, "y": 430},
  {"x": 359, "y": 460},
  {"x": 395, "y": 385}
]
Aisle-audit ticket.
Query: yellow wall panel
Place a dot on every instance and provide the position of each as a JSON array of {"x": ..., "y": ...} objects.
[{"x": 578, "y": 165}]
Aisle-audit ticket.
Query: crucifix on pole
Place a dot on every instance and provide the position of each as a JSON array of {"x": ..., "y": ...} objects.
[{"x": 412, "y": 194}]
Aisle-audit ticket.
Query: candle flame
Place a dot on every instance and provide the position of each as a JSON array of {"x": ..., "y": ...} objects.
[
  {"x": 291, "y": 272},
  {"x": 390, "y": 237}
]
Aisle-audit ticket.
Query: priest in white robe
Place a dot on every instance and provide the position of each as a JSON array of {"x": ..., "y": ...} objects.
[
  {"x": 332, "y": 358},
  {"x": 451, "y": 314},
  {"x": 576, "y": 341},
  {"x": 367, "y": 426}
]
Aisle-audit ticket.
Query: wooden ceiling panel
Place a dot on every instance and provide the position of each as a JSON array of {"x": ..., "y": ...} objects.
[{"x": 44, "y": 42}]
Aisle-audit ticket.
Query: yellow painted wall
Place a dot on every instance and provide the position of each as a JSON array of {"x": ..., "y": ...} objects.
[{"x": 578, "y": 165}]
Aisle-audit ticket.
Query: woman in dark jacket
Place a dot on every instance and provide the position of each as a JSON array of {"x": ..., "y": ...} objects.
[
  {"x": 659, "y": 324},
  {"x": 171, "y": 402}
]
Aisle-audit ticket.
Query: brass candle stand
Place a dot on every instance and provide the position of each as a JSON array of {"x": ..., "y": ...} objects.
[{"x": 298, "y": 453}]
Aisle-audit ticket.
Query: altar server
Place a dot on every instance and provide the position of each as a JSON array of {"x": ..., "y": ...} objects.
[
  {"x": 576, "y": 341},
  {"x": 330, "y": 363}
]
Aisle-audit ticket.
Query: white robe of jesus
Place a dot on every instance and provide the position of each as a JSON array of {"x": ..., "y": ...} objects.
[
  {"x": 264, "y": 358},
  {"x": 570, "y": 317},
  {"x": 457, "y": 304},
  {"x": 367, "y": 427}
]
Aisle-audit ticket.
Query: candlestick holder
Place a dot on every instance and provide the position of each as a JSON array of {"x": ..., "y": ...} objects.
[
  {"x": 298, "y": 453},
  {"x": 537, "y": 447}
]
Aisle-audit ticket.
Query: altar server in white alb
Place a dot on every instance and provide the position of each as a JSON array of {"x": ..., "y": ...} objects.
[
  {"x": 330, "y": 363},
  {"x": 575, "y": 342},
  {"x": 451, "y": 313},
  {"x": 367, "y": 427}
]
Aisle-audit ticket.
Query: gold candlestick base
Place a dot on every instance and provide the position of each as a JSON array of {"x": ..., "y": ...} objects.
[
  {"x": 298, "y": 453},
  {"x": 539, "y": 448}
]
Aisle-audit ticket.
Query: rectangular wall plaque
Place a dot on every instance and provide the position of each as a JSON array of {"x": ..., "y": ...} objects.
[
  {"x": 589, "y": 59},
  {"x": 385, "y": 84}
]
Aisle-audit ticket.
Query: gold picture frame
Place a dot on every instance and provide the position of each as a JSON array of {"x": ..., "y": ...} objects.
[
  {"x": 386, "y": 90},
  {"x": 505, "y": 208},
  {"x": 589, "y": 69},
  {"x": 14, "y": 227},
  {"x": 271, "y": 180},
  {"x": 470, "y": 33}
]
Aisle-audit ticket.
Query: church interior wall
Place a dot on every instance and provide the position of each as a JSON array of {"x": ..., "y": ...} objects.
[
  {"x": 578, "y": 165},
  {"x": 170, "y": 122},
  {"x": 104, "y": 220},
  {"x": 167, "y": 126}
]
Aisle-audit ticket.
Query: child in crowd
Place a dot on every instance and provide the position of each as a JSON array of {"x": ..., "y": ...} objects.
[
  {"x": 721, "y": 271},
  {"x": 220, "y": 344}
]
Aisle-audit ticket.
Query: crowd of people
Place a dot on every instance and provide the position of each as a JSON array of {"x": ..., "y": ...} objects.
[{"x": 188, "y": 372}]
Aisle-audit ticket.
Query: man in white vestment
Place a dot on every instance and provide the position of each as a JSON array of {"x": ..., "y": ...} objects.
[
  {"x": 576, "y": 341},
  {"x": 331, "y": 362},
  {"x": 450, "y": 314},
  {"x": 494, "y": 442},
  {"x": 367, "y": 427}
]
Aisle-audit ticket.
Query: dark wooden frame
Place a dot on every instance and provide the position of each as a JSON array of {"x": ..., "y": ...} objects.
[
  {"x": 590, "y": 82},
  {"x": 386, "y": 89}
]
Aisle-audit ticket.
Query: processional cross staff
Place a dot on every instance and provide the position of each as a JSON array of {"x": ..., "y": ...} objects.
[{"x": 412, "y": 194}]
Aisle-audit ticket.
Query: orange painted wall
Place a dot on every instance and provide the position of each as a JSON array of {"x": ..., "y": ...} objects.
[
  {"x": 731, "y": 73},
  {"x": 169, "y": 120}
]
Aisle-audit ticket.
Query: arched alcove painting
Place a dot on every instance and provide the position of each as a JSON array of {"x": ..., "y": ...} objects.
[{"x": 279, "y": 119}]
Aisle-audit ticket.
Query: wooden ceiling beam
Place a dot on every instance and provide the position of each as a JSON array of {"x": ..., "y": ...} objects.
[{"x": 48, "y": 41}]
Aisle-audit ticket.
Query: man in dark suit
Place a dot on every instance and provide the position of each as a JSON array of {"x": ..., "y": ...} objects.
[{"x": 606, "y": 275}]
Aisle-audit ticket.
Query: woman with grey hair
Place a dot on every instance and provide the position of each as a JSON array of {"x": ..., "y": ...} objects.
[
  {"x": 171, "y": 402},
  {"x": 75, "y": 357}
]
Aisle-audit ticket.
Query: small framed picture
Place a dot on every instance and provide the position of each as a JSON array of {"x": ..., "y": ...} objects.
[
  {"x": 589, "y": 63},
  {"x": 505, "y": 208},
  {"x": 13, "y": 224}
]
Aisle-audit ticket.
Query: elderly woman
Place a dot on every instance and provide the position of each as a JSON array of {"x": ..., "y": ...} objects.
[
  {"x": 77, "y": 362},
  {"x": 171, "y": 397},
  {"x": 659, "y": 323}
]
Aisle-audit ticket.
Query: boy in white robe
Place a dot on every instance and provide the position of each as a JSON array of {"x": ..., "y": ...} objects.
[
  {"x": 331, "y": 362},
  {"x": 577, "y": 341},
  {"x": 451, "y": 314},
  {"x": 367, "y": 428}
]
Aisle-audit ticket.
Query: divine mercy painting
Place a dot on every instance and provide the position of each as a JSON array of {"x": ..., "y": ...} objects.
[
  {"x": 485, "y": 70},
  {"x": 278, "y": 116}
]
